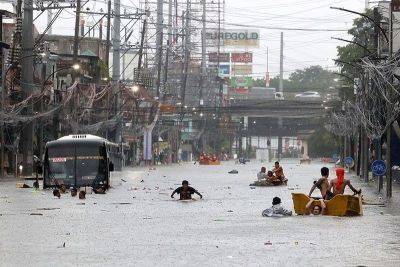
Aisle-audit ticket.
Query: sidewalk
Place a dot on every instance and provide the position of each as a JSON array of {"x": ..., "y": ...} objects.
[{"x": 371, "y": 194}]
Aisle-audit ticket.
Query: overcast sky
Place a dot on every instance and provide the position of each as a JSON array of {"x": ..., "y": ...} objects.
[{"x": 301, "y": 48}]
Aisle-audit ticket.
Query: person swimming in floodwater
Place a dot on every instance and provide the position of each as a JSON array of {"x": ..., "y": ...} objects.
[
  {"x": 339, "y": 184},
  {"x": 312, "y": 209},
  {"x": 277, "y": 210},
  {"x": 185, "y": 191},
  {"x": 323, "y": 185}
]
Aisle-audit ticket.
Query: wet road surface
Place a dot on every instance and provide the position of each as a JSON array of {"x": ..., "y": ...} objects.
[{"x": 138, "y": 224}]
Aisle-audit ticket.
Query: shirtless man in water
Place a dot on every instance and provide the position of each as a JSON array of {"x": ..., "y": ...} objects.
[
  {"x": 185, "y": 191},
  {"x": 323, "y": 185},
  {"x": 339, "y": 184}
]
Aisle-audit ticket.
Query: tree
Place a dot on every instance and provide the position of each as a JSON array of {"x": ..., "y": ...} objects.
[
  {"x": 323, "y": 144},
  {"x": 313, "y": 78},
  {"x": 349, "y": 55}
]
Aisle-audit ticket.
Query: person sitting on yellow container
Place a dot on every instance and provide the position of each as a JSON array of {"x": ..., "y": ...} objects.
[
  {"x": 323, "y": 185},
  {"x": 313, "y": 209},
  {"x": 339, "y": 184}
]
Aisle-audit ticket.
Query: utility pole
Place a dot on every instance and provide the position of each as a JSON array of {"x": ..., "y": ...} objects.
[
  {"x": 141, "y": 47},
  {"x": 159, "y": 44},
  {"x": 27, "y": 85},
  {"x": 389, "y": 130},
  {"x": 116, "y": 41},
  {"x": 281, "y": 66},
  {"x": 280, "y": 122},
  {"x": 169, "y": 42},
  {"x": 187, "y": 51},
  {"x": 108, "y": 34},
  {"x": 49, "y": 19},
  {"x": 76, "y": 36},
  {"x": 203, "y": 54}
]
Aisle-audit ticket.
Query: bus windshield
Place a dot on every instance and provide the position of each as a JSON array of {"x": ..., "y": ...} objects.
[{"x": 77, "y": 165}]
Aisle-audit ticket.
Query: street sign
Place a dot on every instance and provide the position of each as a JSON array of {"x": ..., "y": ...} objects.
[
  {"x": 378, "y": 167},
  {"x": 349, "y": 162}
]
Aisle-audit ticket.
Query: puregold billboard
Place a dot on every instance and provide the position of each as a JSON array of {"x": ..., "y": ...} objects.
[{"x": 235, "y": 38}]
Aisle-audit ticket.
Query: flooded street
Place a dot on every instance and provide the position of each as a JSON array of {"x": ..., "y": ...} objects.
[{"x": 137, "y": 223}]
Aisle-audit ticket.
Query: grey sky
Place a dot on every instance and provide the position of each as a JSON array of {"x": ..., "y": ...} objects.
[{"x": 301, "y": 48}]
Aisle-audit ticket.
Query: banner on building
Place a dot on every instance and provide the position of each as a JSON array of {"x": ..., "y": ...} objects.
[
  {"x": 242, "y": 69},
  {"x": 223, "y": 57},
  {"x": 242, "y": 57},
  {"x": 235, "y": 38}
]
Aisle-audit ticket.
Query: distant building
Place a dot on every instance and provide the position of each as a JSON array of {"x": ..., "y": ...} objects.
[{"x": 88, "y": 46}]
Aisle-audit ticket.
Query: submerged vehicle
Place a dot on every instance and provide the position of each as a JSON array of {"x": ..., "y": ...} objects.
[
  {"x": 339, "y": 205},
  {"x": 79, "y": 160}
]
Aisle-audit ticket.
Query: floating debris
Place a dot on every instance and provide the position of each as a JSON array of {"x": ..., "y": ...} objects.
[
  {"x": 37, "y": 214},
  {"x": 48, "y": 208}
]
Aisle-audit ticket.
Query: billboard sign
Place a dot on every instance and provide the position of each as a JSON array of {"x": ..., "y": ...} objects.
[
  {"x": 242, "y": 57},
  {"x": 242, "y": 69},
  {"x": 235, "y": 38},
  {"x": 224, "y": 70},
  {"x": 241, "y": 82},
  {"x": 223, "y": 57}
]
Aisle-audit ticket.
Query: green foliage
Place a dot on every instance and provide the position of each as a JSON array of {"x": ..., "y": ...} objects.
[
  {"x": 323, "y": 144},
  {"x": 313, "y": 78},
  {"x": 349, "y": 55}
]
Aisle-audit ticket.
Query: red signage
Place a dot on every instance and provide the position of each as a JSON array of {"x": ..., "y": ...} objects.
[{"x": 242, "y": 57}]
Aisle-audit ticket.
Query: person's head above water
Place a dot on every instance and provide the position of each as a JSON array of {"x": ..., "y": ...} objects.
[
  {"x": 276, "y": 164},
  {"x": 263, "y": 169},
  {"x": 324, "y": 172},
  {"x": 185, "y": 183},
  {"x": 316, "y": 210},
  {"x": 270, "y": 173},
  {"x": 276, "y": 201}
]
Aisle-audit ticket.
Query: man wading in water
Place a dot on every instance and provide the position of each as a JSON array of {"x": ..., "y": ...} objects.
[{"x": 185, "y": 191}]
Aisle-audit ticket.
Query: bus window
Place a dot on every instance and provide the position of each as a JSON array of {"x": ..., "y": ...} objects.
[
  {"x": 61, "y": 165},
  {"x": 91, "y": 167}
]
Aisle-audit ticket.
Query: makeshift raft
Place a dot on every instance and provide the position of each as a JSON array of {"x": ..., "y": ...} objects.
[
  {"x": 257, "y": 183},
  {"x": 339, "y": 205}
]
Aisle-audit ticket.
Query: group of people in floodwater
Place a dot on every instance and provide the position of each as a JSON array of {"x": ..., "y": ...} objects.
[
  {"x": 328, "y": 189},
  {"x": 272, "y": 177}
]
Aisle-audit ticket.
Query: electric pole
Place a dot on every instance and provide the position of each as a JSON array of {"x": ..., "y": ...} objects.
[
  {"x": 169, "y": 42},
  {"x": 187, "y": 52},
  {"x": 116, "y": 41},
  {"x": 203, "y": 54},
  {"x": 159, "y": 44},
  {"x": 27, "y": 85},
  {"x": 281, "y": 66},
  {"x": 76, "y": 36},
  {"x": 49, "y": 19},
  {"x": 108, "y": 34},
  {"x": 280, "y": 122}
]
